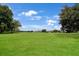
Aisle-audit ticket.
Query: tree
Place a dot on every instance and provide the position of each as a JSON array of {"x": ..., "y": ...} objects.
[
  {"x": 55, "y": 31},
  {"x": 5, "y": 17},
  {"x": 14, "y": 25},
  {"x": 7, "y": 23},
  {"x": 43, "y": 30},
  {"x": 3, "y": 27},
  {"x": 69, "y": 18}
]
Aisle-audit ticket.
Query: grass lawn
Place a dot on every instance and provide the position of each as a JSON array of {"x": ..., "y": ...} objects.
[{"x": 39, "y": 44}]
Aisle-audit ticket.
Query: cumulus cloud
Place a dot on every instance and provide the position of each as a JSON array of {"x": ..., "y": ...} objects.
[
  {"x": 29, "y": 13},
  {"x": 51, "y": 22}
]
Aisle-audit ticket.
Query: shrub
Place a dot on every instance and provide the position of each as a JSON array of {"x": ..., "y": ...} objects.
[
  {"x": 43, "y": 30},
  {"x": 55, "y": 31}
]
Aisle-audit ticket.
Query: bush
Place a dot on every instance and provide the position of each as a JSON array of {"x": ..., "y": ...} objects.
[
  {"x": 29, "y": 31},
  {"x": 55, "y": 31},
  {"x": 43, "y": 30}
]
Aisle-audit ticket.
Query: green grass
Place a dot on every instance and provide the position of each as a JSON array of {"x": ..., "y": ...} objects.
[{"x": 39, "y": 44}]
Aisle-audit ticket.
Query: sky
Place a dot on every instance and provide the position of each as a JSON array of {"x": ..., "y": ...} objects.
[{"x": 37, "y": 16}]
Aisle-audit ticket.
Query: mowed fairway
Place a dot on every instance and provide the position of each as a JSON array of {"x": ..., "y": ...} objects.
[{"x": 39, "y": 44}]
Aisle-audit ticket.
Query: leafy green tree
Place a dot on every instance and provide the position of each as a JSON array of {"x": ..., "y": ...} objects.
[
  {"x": 69, "y": 18},
  {"x": 14, "y": 25},
  {"x": 44, "y": 30},
  {"x": 2, "y": 26},
  {"x": 7, "y": 23},
  {"x": 5, "y": 16}
]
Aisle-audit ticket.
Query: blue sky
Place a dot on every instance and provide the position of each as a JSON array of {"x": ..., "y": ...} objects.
[{"x": 37, "y": 16}]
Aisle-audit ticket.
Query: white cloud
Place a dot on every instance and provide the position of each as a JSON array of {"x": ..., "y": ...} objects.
[
  {"x": 32, "y": 14},
  {"x": 29, "y": 13},
  {"x": 51, "y": 22}
]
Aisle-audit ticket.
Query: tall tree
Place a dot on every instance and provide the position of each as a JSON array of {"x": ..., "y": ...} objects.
[
  {"x": 69, "y": 18},
  {"x": 5, "y": 16},
  {"x": 6, "y": 19}
]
